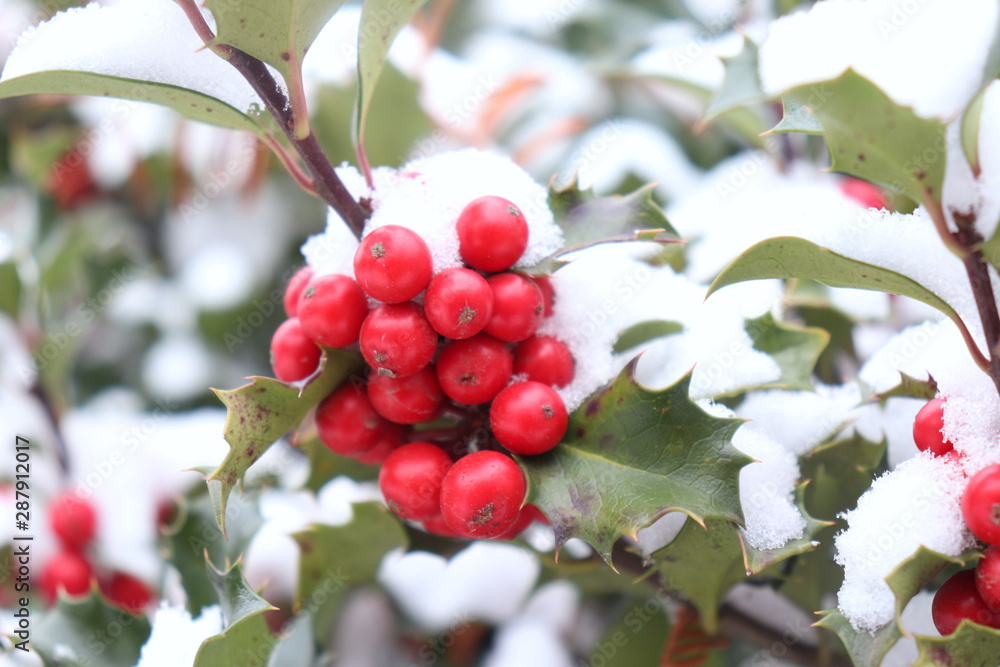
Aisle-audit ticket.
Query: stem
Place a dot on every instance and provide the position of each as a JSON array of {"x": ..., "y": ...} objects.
[
  {"x": 299, "y": 176},
  {"x": 328, "y": 185}
]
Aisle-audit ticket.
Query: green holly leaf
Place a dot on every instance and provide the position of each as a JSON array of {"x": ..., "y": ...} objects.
[
  {"x": 246, "y": 638},
  {"x": 335, "y": 558},
  {"x": 630, "y": 455},
  {"x": 324, "y": 465},
  {"x": 908, "y": 387},
  {"x": 645, "y": 332},
  {"x": 702, "y": 564},
  {"x": 187, "y": 102},
  {"x": 863, "y": 648},
  {"x": 194, "y": 535},
  {"x": 261, "y": 412},
  {"x": 756, "y": 560},
  {"x": 796, "y": 117},
  {"x": 871, "y": 137},
  {"x": 790, "y": 257},
  {"x": 741, "y": 85},
  {"x": 635, "y": 640},
  {"x": 795, "y": 349},
  {"x": 971, "y": 645},
  {"x": 89, "y": 631},
  {"x": 381, "y": 21},
  {"x": 970, "y": 131},
  {"x": 279, "y": 32},
  {"x": 587, "y": 219}
]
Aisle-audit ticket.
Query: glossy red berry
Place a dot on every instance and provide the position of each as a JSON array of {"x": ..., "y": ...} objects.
[
  {"x": 407, "y": 400},
  {"x": 864, "y": 193},
  {"x": 392, "y": 438},
  {"x": 128, "y": 593},
  {"x": 294, "y": 355},
  {"x": 294, "y": 289},
  {"x": 474, "y": 370},
  {"x": 544, "y": 359},
  {"x": 481, "y": 495},
  {"x": 410, "y": 480},
  {"x": 981, "y": 504},
  {"x": 517, "y": 307},
  {"x": 332, "y": 309},
  {"x": 397, "y": 340},
  {"x": 492, "y": 234},
  {"x": 458, "y": 303},
  {"x": 347, "y": 422},
  {"x": 956, "y": 600},
  {"x": 988, "y": 578},
  {"x": 548, "y": 293},
  {"x": 528, "y": 418},
  {"x": 927, "y": 428},
  {"x": 73, "y": 520},
  {"x": 437, "y": 526},
  {"x": 393, "y": 264},
  {"x": 67, "y": 571}
]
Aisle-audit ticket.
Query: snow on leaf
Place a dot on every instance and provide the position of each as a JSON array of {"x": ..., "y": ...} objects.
[
  {"x": 757, "y": 560},
  {"x": 795, "y": 349},
  {"x": 335, "y": 558},
  {"x": 586, "y": 218},
  {"x": 871, "y": 137},
  {"x": 908, "y": 387},
  {"x": 261, "y": 412},
  {"x": 971, "y": 645},
  {"x": 630, "y": 455},
  {"x": 72, "y": 629},
  {"x": 246, "y": 632}
]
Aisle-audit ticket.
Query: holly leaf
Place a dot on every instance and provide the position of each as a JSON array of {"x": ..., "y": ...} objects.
[
  {"x": 795, "y": 349},
  {"x": 637, "y": 638},
  {"x": 259, "y": 413},
  {"x": 246, "y": 633},
  {"x": 644, "y": 332},
  {"x": 756, "y": 560},
  {"x": 381, "y": 21},
  {"x": 871, "y": 137},
  {"x": 279, "y": 32},
  {"x": 630, "y": 455},
  {"x": 970, "y": 645},
  {"x": 702, "y": 564},
  {"x": 324, "y": 465},
  {"x": 741, "y": 85},
  {"x": 791, "y": 257},
  {"x": 77, "y": 633},
  {"x": 863, "y": 648},
  {"x": 970, "y": 131},
  {"x": 335, "y": 558},
  {"x": 796, "y": 117},
  {"x": 908, "y": 387},
  {"x": 587, "y": 219}
]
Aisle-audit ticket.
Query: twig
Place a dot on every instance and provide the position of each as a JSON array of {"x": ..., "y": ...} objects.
[
  {"x": 299, "y": 176},
  {"x": 328, "y": 185},
  {"x": 982, "y": 288}
]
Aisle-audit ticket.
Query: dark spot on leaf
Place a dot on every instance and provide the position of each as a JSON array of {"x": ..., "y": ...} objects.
[
  {"x": 243, "y": 420},
  {"x": 286, "y": 56},
  {"x": 920, "y": 175},
  {"x": 306, "y": 546},
  {"x": 608, "y": 440},
  {"x": 208, "y": 109},
  {"x": 581, "y": 432},
  {"x": 248, "y": 451},
  {"x": 861, "y": 156},
  {"x": 593, "y": 408}
]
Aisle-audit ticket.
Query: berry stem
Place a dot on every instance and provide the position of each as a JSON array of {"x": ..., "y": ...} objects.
[{"x": 328, "y": 185}]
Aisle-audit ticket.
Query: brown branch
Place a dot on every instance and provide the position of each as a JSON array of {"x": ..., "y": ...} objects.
[{"x": 982, "y": 288}]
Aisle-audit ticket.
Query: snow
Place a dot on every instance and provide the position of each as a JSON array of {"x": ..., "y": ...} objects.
[
  {"x": 886, "y": 42},
  {"x": 176, "y": 637},
  {"x": 800, "y": 420},
  {"x": 537, "y": 635},
  {"x": 767, "y": 491},
  {"x": 145, "y": 40},
  {"x": 916, "y": 619}
]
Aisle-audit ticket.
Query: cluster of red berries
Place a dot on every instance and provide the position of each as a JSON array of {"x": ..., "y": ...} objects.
[
  {"x": 452, "y": 358},
  {"x": 972, "y": 594},
  {"x": 74, "y": 521}
]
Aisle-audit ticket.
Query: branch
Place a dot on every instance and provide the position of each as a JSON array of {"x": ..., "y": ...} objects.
[{"x": 328, "y": 185}]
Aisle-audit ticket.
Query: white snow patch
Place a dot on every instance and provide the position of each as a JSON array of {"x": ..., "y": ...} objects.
[{"x": 176, "y": 637}]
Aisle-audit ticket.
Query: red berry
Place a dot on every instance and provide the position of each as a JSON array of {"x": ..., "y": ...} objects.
[
  {"x": 458, "y": 303},
  {"x": 481, "y": 495},
  {"x": 127, "y": 592},
  {"x": 864, "y": 193},
  {"x": 988, "y": 577},
  {"x": 73, "y": 520},
  {"x": 69, "y": 181},
  {"x": 397, "y": 340},
  {"x": 492, "y": 234},
  {"x": 294, "y": 356},
  {"x": 410, "y": 480},
  {"x": 474, "y": 370},
  {"x": 517, "y": 307},
  {"x": 294, "y": 289},
  {"x": 528, "y": 418},
  {"x": 347, "y": 422},
  {"x": 981, "y": 504},
  {"x": 392, "y": 438},
  {"x": 544, "y": 359},
  {"x": 409, "y": 400},
  {"x": 332, "y": 309},
  {"x": 437, "y": 526},
  {"x": 957, "y": 599},
  {"x": 548, "y": 293},
  {"x": 67, "y": 571},
  {"x": 529, "y": 514},
  {"x": 393, "y": 264},
  {"x": 927, "y": 428}
]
